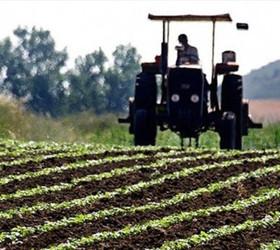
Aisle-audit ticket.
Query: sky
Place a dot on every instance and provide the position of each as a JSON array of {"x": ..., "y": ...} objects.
[{"x": 84, "y": 26}]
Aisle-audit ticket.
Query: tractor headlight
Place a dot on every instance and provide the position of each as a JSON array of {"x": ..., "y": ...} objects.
[
  {"x": 175, "y": 98},
  {"x": 195, "y": 98}
]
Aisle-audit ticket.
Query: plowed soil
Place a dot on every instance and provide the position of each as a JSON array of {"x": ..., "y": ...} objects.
[{"x": 150, "y": 238}]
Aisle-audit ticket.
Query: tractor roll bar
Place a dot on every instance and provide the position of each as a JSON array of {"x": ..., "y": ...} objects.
[
  {"x": 195, "y": 18},
  {"x": 166, "y": 19}
]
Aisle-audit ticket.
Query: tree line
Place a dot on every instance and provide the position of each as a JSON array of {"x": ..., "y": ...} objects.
[{"x": 34, "y": 71}]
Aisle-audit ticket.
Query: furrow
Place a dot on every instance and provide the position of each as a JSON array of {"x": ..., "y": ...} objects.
[
  {"x": 98, "y": 177},
  {"x": 79, "y": 219},
  {"x": 125, "y": 190},
  {"x": 73, "y": 154},
  {"x": 47, "y": 161},
  {"x": 165, "y": 222},
  {"x": 79, "y": 165},
  {"x": 200, "y": 239}
]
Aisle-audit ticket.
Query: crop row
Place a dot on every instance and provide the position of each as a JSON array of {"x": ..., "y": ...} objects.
[
  {"x": 20, "y": 232},
  {"x": 45, "y": 151},
  {"x": 14, "y": 148},
  {"x": 12, "y": 145},
  {"x": 79, "y": 165},
  {"x": 39, "y": 158},
  {"x": 68, "y": 153},
  {"x": 140, "y": 186},
  {"x": 95, "y": 177},
  {"x": 173, "y": 219},
  {"x": 273, "y": 245},
  {"x": 198, "y": 239},
  {"x": 109, "y": 159},
  {"x": 168, "y": 166},
  {"x": 8, "y": 146}
]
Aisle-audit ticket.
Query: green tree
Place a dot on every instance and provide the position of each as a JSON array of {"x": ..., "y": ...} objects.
[
  {"x": 87, "y": 89},
  {"x": 32, "y": 70},
  {"x": 120, "y": 77}
]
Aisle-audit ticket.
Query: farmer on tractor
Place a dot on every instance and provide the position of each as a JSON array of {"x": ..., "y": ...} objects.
[{"x": 186, "y": 54}]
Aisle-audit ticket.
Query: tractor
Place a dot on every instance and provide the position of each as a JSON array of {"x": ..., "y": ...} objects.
[{"x": 180, "y": 98}]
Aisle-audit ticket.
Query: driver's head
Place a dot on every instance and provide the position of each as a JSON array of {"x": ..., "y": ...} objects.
[{"x": 182, "y": 38}]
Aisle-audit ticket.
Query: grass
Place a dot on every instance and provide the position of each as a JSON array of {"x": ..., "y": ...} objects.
[
  {"x": 268, "y": 137},
  {"x": 17, "y": 123}
]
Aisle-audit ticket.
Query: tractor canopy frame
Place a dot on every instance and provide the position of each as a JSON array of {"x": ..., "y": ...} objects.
[{"x": 166, "y": 19}]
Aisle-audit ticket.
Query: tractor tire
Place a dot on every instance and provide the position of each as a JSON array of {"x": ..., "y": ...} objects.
[
  {"x": 145, "y": 128},
  {"x": 232, "y": 102},
  {"x": 245, "y": 120},
  {"x": 228, "y": 131}
]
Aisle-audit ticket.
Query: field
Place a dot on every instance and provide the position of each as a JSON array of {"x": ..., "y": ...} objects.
[
  {"x": 84, "y": 196},
  {"x": 20, "y": 124},
  {"x": 266, "y": 111}
]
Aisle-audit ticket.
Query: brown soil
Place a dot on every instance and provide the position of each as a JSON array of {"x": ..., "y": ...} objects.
[
  {"x": 250, "y": 240},
  {"x": 156, "y": 237},
  {"x": 151, "y": 238},
  {"x": 223, "y": 197},
  {"x": 67, "y": 175},
  {"x": 89, "y": 188},
  {"x": 164, "y": 191},
  {"x": 58, "y": 161},
  {"x": 138, "y": 198}
]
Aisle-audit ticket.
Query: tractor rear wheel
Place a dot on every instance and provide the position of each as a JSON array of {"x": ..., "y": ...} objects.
[
  {"x": 228, "y": 131},
  {"x": 232, "y": 102},
  {"x": 145, "y": 129}
]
